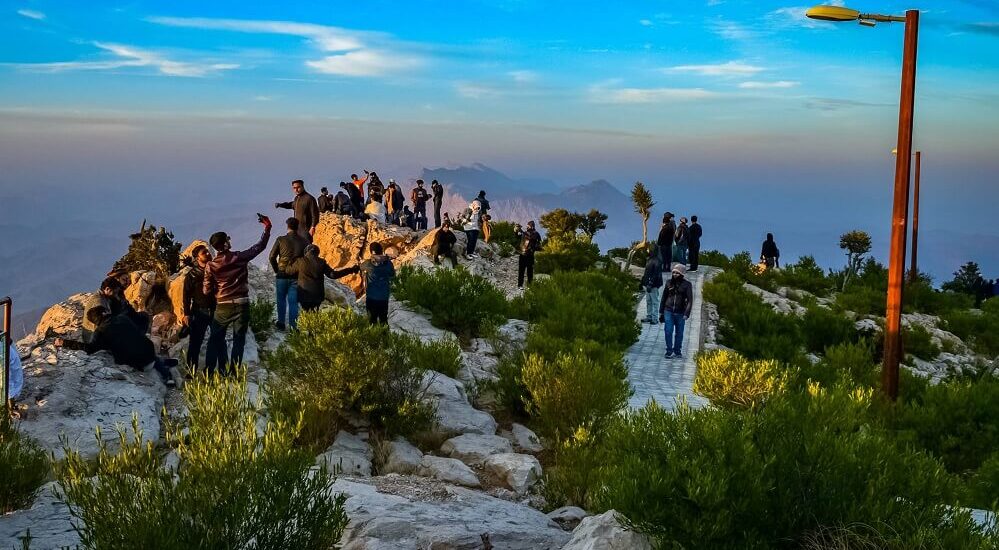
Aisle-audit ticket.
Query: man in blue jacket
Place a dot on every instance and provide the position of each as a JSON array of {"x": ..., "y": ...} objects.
[{"x": 378, "y": 273}]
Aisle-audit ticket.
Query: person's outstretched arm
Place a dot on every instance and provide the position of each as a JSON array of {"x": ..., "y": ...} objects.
[
  {"x": 338, "y": 273},
  {"x": 255, "y": 250},
  {"x": 288, "y": 205}
]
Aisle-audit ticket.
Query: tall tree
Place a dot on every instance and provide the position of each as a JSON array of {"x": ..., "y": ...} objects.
[
  {"x": 560, "y": 223},
  {"x": 642, "y": 199},
  {"x": 856, "y": 244},
  {"x": 969, "y": 280},
  {"x": 592, "y": 222}
]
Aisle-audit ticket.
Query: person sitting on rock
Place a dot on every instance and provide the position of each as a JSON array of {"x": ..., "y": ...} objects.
[
  {"x": 378, "y": 273},
  {"x": 406, "y": 218},
  {"x": 113, "y": 298},
  {"x": 127, "y": 344},
  {"x": 376, "y": 211},
  {"x": 198, "y": 307},
  {"x": 311, "y": 271},
  {"x": 443, "y": 245}
]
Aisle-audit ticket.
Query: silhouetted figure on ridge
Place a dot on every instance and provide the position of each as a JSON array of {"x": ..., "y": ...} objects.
[
  {"x": 437, "y": 191},
  {"x": 770, "y": 254},
  {"x": 694, "y": 243}
]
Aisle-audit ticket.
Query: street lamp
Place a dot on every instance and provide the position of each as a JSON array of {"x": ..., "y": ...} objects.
[
  {"x": 913, "y": 272},
  {"x": 900, "y": 210}
]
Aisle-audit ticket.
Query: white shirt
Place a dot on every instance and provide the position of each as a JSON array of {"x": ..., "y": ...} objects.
[{"x": 376, "y": 210}]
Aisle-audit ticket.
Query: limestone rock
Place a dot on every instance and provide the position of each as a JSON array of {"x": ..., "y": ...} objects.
[
  {"x": 349, "y": 455},
  {"x": 524, "y": 439},
  {"x": 403, "y": 319},
  {"x": 48, "y": 519},
  {"x": 475, "y": 448},
  {"x": 517, "y": 471},
  {"x": 780, "y": 303},
  {"x": 399, "y": 457},
  {"x": 568, "y": 517},
  {"x": 81, "y": 392},
  {"x": 455, "y": 416},
  {"x": 66, "y": 319},
  {"x": 409, "y": 513},
  {"x": 344, "y": 241},
  {"x": 140, "y": 289},
  {"x": 260, "y": 282},
  {"x": 514, "y": 332},
  {"x": 605, "y": 532},
  {"x": 450, "y": 470}
]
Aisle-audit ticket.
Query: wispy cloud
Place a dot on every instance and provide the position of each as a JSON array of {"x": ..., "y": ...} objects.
[
  {"x": 131, "y": 56},
  {"x": 523, "y": 77},
  {"x": 645, "y": 22},
  {"x": 626, "y": 96},
  {"x": 756, "y": 85},
  {"x": 729, "y": 69},
  {"x": 31, "y": 14},
  {"x": 732, "y": 31},
  {"x": 355, "y": 53},
  {"x": 834, "y": 104},
  {"x": 990, "y": 28},
  {"x": 520, "y": 83}
]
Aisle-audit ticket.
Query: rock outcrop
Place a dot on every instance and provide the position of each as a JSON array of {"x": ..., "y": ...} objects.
[
  {"x": 455, "y": 415},
  {"x": 449, "y": 470},
  {"x": 349, "y": 454},
  {"x": 605, "y": 532},
  {"x": 48, "y": 521},
  {"x": 517, "y": 472},
  {"x": 474, "y": 449}
]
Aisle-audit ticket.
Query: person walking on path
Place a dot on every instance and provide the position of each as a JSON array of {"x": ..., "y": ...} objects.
[
  {"x": 770, "y": 254},
  {"x": 665, "y": 241},
  {"x": 286, "y": 249},
  {"x": 530, "y": 242},
  {"x": 678, "y": 299},
  {"x": 652, "y": 282},
  {"x": 473, "y": 220},
  {"x": 324, "y": 200},
  {"x": 419, "y": 198},
  {"x": 311, "y": 271},
  {"x": 681, "y": 239},
  {"x": 306, "y": 210},
  {"x": 694, "y": 244},
  {"x": 443, "y": 245},
  {"x": 198, "y": 307},
  {"x": 378, "y": 273},
  {"x": 226, "y": 278},
  {"x": 437, "y": 192}
]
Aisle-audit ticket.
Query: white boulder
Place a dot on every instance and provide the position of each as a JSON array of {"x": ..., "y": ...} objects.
[
  {"x": 517, "y": 472},
  {"x": 449, "y": 470},
  {"x": 605, "y": 532},
  {"x": 474, "y": 448},
  {"x": 399, "y": 457},
  {"x": 349, "y": 455}
]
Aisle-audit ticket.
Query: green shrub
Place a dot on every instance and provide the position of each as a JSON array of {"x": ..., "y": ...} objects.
[
  {"x": 24, "y": 466},
  {"x": 233, "y": 488},
  {"x": 503, "y": 233},
  {"x": 862, "y": 300},
  {"x": 750, "y": 326},
  {"x": 917, "y": 341},
  {"x": 151, "y": 249},
  {"x": 337, "y": 365},
  {"x": 568, "y": 254},
  {"x": 984, "y": 485},
  {"x": 920, "y": 296},
  {"x": 851, "y": 362},
  {"x": 713, "y": 258},
  {"x": 807, "y": 275},
  {"x": 261, "y": 318},
  {"x": 728, "y": 380},
  {"x": 822, "y": 328},
  {"x": 567, "y": 392},
  {"x": 980, "y": 330},
  {"x": 459, "y": 301}
]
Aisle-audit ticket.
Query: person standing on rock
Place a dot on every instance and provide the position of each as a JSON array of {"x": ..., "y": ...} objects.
[
  {"x": 770, "y": 254},
  {"x": 652, "y": 282},
  {"x": 419, "y": 198},
  {"x": 198, "y": 307},
  {"x": 356, "y": 199},
  {"x": 376, "y": 190},
  {"x": 437, "y": 191},
  {"x": 443, "y": 245},
  {"x": 324, "y": 200},
  {"x": 530, "y": 242},
  {"x": 287, "y": 248},
  {"x": 378, "y": 273},
  {"x": 473, "y": 221},
  {"x": 694, "y": 244},
  {"x": 665, "y": 241},
  {"x": 127, "y": 344},
  {"x": 226, "y": 278},
  {"x": 681, "y": 239},
  {"x": 359, "y": 184},
  {"x": 678, "y": 300},
  {"x": 306, "y": 210},
  {"x": 393, "y": 201},
  {"x": 311, "y": 271}
]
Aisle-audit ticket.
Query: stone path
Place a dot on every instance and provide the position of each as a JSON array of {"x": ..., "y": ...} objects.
[{"x": 666, "y": 380}]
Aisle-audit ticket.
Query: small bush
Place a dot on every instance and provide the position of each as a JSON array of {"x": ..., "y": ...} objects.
[
  {"x": 850, "y": 362},
  {"x": 984, "y": 485},
  {"x": 503, "y": 233},
  {"x": 568, "y": 254},
  {"x": 805, "y": 274},
  {"x": 750, "y": 326},
  {"x": 262, "y": 318},
  {"x": 24, "y": 466},
  {"x": 862, "y": 300},
  {"x": 568, "y": 392},
  {"x": 917, "y": 341},
  {"x": 233, "y": 488},
  {"x": 151, "y": 250},
  {"x": 728, "y": 380},
  {"x": 459, "y": 301},
  {"x": 337, "y": 365},
  {"x": 822, "y": 328},
  {"x": 980, "y": 330},
  {"x": 713, "y": 258}
]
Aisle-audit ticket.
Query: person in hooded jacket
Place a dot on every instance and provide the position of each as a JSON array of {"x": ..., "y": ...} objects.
[
  {"x": 665, "y": 241},
  {"x": 530, "y": 242},
  {"x": 311, "y": 271},
  {"x": 437, "y": 191},
  {"x": 443, "y": 245},
  {"x": 198, "y": 307},
  {"x": 770, "y": 254},
  {"x": 342, "y": 204},
  {"x": 681, "y": 239},
  {"x": 652, "y": 282},
  {"x": 378, "y": 273},
  {"x": 675, "y": 308}
]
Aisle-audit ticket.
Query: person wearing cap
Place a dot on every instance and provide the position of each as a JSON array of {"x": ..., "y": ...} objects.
[
  {"x": 678, "y": 299},
  {"x": 393, "y": 201},
  {"x": 694, "y": 244},
  {"x": 306, "y": 210},
  {"x": 681, "y": 239},
  {"x": 473, "y": 221},
  {"x": 437, "y": 193},
  {"x": 287, "y": 248},
  {"x": 324, "y": 200},
  {"x": 226, "y": 278},
  {"x": 652, "y": 282},
  {"x": 376, "y": 189},
  {"x": 311, "y": 271},
  {"x": 443, "y": 245},
  {"x": 419, "y": 198},
  {"x": 530, "y": 242},
  {"x": 665, "y": 241},
  {"x": 198, "y": 307}
]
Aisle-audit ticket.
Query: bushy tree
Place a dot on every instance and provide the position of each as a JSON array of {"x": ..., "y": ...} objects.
[
  {"x": 856, "y": 244},
  {"x": 642, "y": 199},
  {"x": 968, "y": 280},
  {"x": 560, "y": 223},
  {"x": 592, "y": 222},
  {"x": 151, "y": 249},
  {"x": 564, "y": 249}
]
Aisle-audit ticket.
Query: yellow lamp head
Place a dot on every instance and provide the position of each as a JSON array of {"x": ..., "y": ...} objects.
[{"x": 832, "y": 13}]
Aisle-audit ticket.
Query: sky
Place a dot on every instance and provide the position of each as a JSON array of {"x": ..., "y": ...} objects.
[{"x": 737, "y": 109}]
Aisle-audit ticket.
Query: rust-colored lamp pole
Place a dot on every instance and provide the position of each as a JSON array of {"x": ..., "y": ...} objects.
[
  {"x": 913, "y": 269},
  {"x": 903, "y": 164}
]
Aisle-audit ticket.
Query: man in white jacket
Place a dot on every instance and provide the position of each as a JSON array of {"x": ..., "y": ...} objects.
[{"x": 473, "y": 220}]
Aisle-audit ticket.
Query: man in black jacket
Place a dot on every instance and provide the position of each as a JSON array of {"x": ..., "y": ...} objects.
[
  {"x": 113, "y": 297},
  {"x": 437, "y": 191},
  {"x": 306, "y": 210},
  {"x": 694, "y": 243},
  {"x": 324, "y": 201},
  {"x": 443, "y": 245},
  {"x": 530, "y": 242},
  {"x": 311, "y": 271},
  {"x": 126, "y": 342},
  {"x": 198, "y": 307},
  {"x": 356, "y": 199},
  {"x": 419, "y": 199},
  {"x": 678, "y": 299},
  {"x": 287, "y": 248},
  {"x": 665, "y": 240}
]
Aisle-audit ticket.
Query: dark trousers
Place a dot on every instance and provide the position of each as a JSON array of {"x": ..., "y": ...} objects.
[
  {"x": 377, "y": 311},
  {"x": 437, "y": 214},
  {"x": 525, "y": 265},
  {"x": 473, "y": 237},
  {"x": 421, "y": 216},
  {"x": 198, "y": 323},
  {"x": 310, "y": 306},
  {"x": 436, "y": 253},
  {"x": 666, "y": 255},
  {"x": 694, "y": 256},
  {"x": 236, "y": 316}
]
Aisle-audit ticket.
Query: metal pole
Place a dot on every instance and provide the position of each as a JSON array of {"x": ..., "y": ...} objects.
[
  {"x": 913, "y": 270},
  {"x": 900, "y": 211},
  {"x": 6, "y": 302}
]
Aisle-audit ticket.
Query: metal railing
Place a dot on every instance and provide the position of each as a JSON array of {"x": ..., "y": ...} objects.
[{"x": 7, "y": 303}]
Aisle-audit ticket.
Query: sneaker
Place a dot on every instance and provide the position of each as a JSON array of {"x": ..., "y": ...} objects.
[
  {"x": 520, "y": 288},
  {"x": 170, "y": 383},
  {"x": 669, "y": 355},
  {"x": 678, "y": 355},
  {"x": 178, "y": 379},
  {"x": 279, "y": 325}
]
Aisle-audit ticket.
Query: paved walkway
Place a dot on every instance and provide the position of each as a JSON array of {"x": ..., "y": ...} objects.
[{"x": 666, "y": 380}]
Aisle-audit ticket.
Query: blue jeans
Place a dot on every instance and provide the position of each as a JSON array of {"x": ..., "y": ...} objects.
[
  {"x": 287, "y": 300},
  {"x": 674, "y": 338},
  {"x": 473, "y": 236},
  {"x": 652, "y": 304}
]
